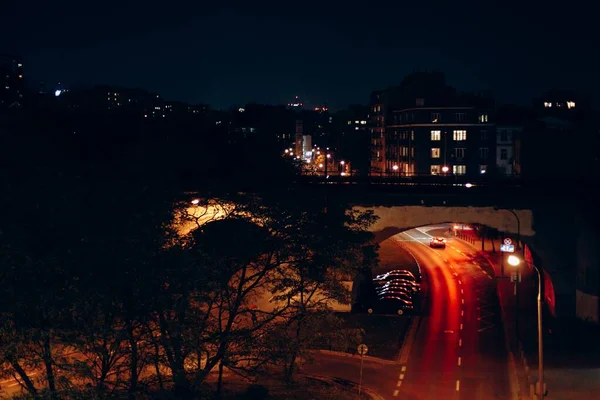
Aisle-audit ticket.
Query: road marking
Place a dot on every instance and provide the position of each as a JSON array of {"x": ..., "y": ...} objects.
[
  {"x": 489, "y": 277},
  {"x": 459, "y": 361},
  {"x": 463, "y": 301},
  {"x": 462, "y": 313},
  {"x": 396, "y": 393},
  {"x": 459, "y": 342},
  {"x": 458, "y": 251},
  {"x": 462, "y": 291},
  {"x": 445, "y": 259},
  {"x": 461, "y": 326},
  {"x": 455, "y": 274},
  {"x": 399, "y": 384},
  {"x": 457, "y": 385},
  {"x": 401, "y": 376},
  {"x": 403, "y": 368},
  {"x": 459, "y": 282}
]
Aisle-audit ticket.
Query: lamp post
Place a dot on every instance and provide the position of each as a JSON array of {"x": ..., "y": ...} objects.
[
  {"x": 515, "y": 261},
  {"x": 518, "y": 224}
]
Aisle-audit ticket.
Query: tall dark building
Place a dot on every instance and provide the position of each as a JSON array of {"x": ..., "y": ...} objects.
[{"x": 12, "y": 81}]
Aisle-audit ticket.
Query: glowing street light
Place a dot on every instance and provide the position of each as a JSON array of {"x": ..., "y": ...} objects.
[
  {"x": 540, "y": 389},
  {"x": 513, "y": 260},
  {"x": 395, "y": 168},
  {"x": 320, "y": 165},
  {"x": 445, "y": 169},
  {"x": 195, "y": 202},
  {"x": 342, "y": 162}
]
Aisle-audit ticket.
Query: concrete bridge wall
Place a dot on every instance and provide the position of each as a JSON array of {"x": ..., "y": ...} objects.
[{"x": 566, "y": 245}]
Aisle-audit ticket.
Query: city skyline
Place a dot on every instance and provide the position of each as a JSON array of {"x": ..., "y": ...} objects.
[{"x": 242, "y": 55}]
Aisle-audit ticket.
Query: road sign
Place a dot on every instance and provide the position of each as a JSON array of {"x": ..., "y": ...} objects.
[
  {"x": 507, "y": 241},
  {"x": 507, "y": 248},
  {"x": 362, "y": 349}
]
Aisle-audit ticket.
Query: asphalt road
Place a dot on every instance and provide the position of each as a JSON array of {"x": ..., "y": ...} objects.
[{"x": 460, "y": 350}]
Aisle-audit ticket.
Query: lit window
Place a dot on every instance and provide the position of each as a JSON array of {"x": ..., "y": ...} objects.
[
  {"x": 435, "y": 170},
  {"x": 435, "y": 152},
  {"x": 459, "y": 135},
  {"x": 483, "y": 118},
  {"x": 363, "y": 122},
  {"x": 484, "y": 152},
  {"x": 349, "y": 122},
  {"x": 404, "y": 151},
  {"x": 459, "y": 169},
  {"x": 436, "y": 135},
  {"x": 459, "y": 152},
  {"x": 503, "y": 154},
  {"x": 547, "y": 104},
  {"x": 570, "y": 104},
  {"x": 482, "y": 169},
  {"x": 19, "y": 65}
]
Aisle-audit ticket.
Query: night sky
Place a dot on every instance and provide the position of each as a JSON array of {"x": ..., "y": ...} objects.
[{"x": 323, "y": 51}]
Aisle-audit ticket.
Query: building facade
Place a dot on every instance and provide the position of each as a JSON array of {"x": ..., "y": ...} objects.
[
  {"x": 378, "y": 133},
  {"x": 428, "y": 141},
  {"x": 507, "y": 159}
]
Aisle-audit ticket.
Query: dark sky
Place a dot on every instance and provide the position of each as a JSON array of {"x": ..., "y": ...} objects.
[{"x": 324, "y": 51}]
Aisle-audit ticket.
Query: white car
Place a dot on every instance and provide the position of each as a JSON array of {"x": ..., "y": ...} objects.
[{"x": 437, "y": 242}]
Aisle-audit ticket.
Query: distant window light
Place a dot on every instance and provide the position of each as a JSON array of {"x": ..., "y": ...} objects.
[
  {"x": 483, "y": 118},
  {"x": 436, "y": 135},
  {"x": 19, "y": 65},
  {"x": 56, "y": 92},
  {"x": 459, "y": 135},
  {"x": 459, "y": 169},
  {"x": 356, "y": 128},
  {"x": 349, "y": 122},
  {"x": 435, "y": 152},
  {"x": 363, "y": 122},
  {"x": 241, "y": 110},
  {"x": 435, "y": 169},
  {"x": 482, "y": 169},
  {"x": 570, "y": 104},
  {"x": 547, "y": 104},
  {"x": 21, "y": 77}
]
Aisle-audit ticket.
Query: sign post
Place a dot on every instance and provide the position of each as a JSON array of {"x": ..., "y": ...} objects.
[
  {"x": 506, "y": 247},
  {"x": 362, "y": 350}
]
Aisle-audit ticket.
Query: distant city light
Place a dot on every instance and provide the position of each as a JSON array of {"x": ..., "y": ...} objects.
[
  {"x": 445, "y": 169},
  {"x": 468, "y": 185},
  {"x": 195, "y": 201},
  {"x": 395, "y": 168},
  {"x": 241, "y": 110},
  {"x": 57, "y": 92}
]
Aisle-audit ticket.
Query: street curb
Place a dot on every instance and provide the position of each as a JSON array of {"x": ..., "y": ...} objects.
[
  {"x": 332, "y": 380},
  {"x": 515, "y": 387},
  {"x": 376, "y": 360},
  {"x": 408, "y": 340}
]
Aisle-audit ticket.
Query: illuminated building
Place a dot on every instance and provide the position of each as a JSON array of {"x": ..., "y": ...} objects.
[
  {"x": 423, "y": 127},
  {"x": 295, "y": 104},
  {"x": 12, "y": 81}
]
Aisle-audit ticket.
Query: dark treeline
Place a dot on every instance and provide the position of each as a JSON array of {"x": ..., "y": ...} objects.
[{"x": 114, "y": 283}]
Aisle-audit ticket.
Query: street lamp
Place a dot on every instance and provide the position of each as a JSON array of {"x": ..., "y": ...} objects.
[
  {"x": 518, "y": 223},
  {"x": 515, "y": 261},
  {"x": 195, "y": 202},
  {"x": 445, "y": 169}
]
